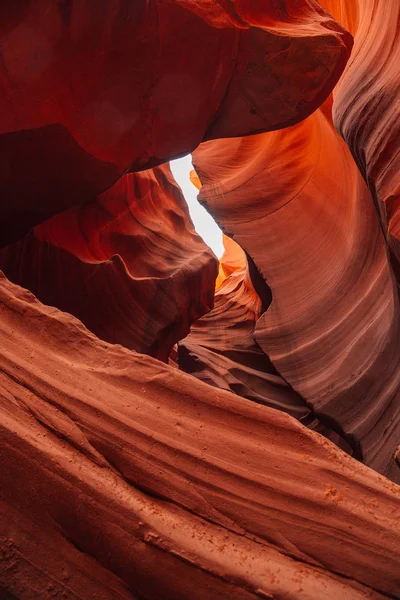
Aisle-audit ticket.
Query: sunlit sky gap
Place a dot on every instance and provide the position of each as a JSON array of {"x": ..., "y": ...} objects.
[{"x": 203, "y": 222}]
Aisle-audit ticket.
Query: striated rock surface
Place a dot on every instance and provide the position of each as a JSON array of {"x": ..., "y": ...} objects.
[
  {"x": 366, "y": 107},
  {"x": 134, "y": 464},
  {"x": 129, "y": 265},
  {"x": 310, "y": 226},
  {"x": 91, "y": 88},
  {"x": 122, "y": 477},
  {"x": 221, "y": 350}
]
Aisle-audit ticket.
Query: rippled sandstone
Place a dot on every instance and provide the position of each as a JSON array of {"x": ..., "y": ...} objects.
[
  {"x": 126, "y": 479},
  {"x": 129, "y": 264},
  {"x": 311, "y": 228},
  {"x": 122, "y": 476}
]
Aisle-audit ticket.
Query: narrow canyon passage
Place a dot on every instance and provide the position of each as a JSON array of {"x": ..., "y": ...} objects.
[
  {"x": 221, "y": 349},
  {"x": 203, "y": 222},
  {"x": 199, "y": 308}
]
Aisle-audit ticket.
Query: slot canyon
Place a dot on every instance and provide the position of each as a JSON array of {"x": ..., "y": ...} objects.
[{"x": 177, "y": 424}]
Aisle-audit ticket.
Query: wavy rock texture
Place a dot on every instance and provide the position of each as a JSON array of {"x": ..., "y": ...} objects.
[
  {"x": 129, "y": 265},
  {"x": 366, "y": 107},
  {"x": 122, "y": 477},
  {"x": 310, "y": 226},
  {"x": 84, "y": 98},
  {"x": 134, "y": 464},
  {"x": 221, "y": 350}
]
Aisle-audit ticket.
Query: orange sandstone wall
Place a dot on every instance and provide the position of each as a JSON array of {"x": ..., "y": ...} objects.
[
  {"x": 129, "y": 264},
  {"x": 310, "y": 225},
  {"x": 122, "y": 477},
  {"x": 89, "y": 89},
  {"x": 129, "y": 479}
]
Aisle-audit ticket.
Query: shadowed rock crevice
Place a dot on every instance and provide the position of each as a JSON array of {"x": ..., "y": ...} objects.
[
  {"x": 128, "y": 264},
  {"x": 221, "y": 350}
]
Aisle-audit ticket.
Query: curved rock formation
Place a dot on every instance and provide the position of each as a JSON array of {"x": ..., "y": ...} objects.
[
  {"x": 129, "y": 265},
  {"x": 366, "y": 107},
  {"x": 84, "y": 98},
  {"x": 122, "y": 477},
  {"x": 133, "y": 464},
  {"x": 221, "y": 350},
  {"x": 309, "y": 224}
]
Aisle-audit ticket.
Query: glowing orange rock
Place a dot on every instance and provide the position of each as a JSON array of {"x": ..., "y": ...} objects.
[
  {"x": 366, "y": 106},
  {"x": 233, "y": 259},
  {"x": 295, "y": 201},
  {"x": 129, "y": 265},
  {"x": 122, "y": 477},
  {"x": 221, "y": 350}
]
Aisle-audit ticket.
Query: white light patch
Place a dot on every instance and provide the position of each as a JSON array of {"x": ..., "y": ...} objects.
[{"x": 203, "y": 222}]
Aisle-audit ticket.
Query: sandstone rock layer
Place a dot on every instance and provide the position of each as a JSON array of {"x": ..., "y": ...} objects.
[
  {"x": 82, "y": 99},
  {"x": 129, "y": 265},
  {"x": 311, "y": 228},
  {"x": 132, "y": 463},
  {"x": 269, "y": 469}
]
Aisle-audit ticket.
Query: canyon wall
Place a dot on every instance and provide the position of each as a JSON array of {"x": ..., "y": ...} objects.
[{"x": 268, "y": 469}]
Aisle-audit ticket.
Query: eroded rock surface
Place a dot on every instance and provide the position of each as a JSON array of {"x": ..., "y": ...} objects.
[
  {"x": 221, "y": 349},
  {"x": 366, "y": 107},
  {"x": 126, "y": 479},
  {"x": 129, "y": 265},
  {"x": 311, "y": 228}
]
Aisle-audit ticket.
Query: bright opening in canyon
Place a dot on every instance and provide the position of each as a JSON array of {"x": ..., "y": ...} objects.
[{"x": 203, "y": 222}]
